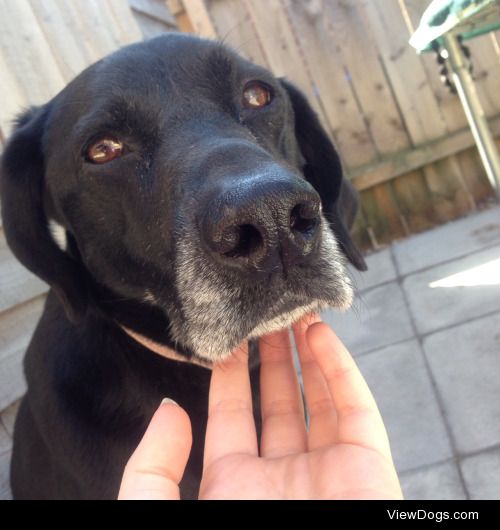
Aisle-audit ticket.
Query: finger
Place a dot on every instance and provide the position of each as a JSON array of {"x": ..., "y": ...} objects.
[
  {"x": 155, "y": 469},
  {"x": 283, "y": 423},
  {"x": 231, "y": 425},
  {"x": 358, "y": 418},
  {"x": 322, "y": 415}
]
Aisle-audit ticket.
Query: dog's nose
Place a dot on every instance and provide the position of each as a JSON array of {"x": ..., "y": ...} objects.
[{"x": 261, "y": 225}]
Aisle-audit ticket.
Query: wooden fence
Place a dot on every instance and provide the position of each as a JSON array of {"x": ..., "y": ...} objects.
[{"x": 402, "y": 136}]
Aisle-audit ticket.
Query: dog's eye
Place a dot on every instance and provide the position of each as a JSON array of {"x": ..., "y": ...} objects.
[
  {"x": 104, "y": 150},
  {"x": 256, "y": 94}
]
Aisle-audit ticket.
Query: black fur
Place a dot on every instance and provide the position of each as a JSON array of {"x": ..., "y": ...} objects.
[{"x": 92, "y": 389}]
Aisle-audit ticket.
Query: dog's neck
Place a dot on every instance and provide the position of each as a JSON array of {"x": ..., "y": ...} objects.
[{"x": 163, "y": 350}]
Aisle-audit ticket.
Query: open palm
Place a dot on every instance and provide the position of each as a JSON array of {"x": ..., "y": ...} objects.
[{"x": 344, "y": 452}]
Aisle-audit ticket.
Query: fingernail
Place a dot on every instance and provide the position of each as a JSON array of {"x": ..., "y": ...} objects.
[{"x": 168, "y": 401}]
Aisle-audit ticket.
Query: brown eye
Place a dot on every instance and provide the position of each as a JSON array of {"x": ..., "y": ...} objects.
[
  {"x": 104, "y": 150},
  {"x": 256, "y": 95}
]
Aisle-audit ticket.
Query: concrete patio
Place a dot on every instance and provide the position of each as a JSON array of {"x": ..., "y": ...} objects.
[{"x": 425, "y": 331}]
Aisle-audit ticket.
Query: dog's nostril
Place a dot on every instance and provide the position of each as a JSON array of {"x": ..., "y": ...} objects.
[
  {"x": 245, "y": 240},
  {"x": 304, "y": 217},
  {"x": 227, "y": 240}
]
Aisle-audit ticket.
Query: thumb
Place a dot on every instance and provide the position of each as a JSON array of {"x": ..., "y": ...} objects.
[{"x": 156, "y": 467}]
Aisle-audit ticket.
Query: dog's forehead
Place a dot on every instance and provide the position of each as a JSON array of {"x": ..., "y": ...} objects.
[
  {"x": 171, "y": 63},
  {"x": 170, "y": 67}
]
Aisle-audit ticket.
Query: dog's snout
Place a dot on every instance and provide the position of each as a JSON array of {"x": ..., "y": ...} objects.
[{"x": 262, "y": 226}]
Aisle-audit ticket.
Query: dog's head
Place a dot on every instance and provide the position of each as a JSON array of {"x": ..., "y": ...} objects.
[{"x": 184, "y": 191}]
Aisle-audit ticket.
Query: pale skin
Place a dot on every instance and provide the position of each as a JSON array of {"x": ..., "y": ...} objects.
[{"x": 344, "y": 454}]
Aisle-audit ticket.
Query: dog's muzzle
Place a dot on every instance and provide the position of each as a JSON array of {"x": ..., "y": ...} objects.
[{"x": 258, "y": 257}]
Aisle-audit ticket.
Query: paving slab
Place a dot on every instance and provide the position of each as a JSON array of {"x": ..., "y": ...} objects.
[
  {"x": 400, "y": 383},
  {"x": 16, "y": 329},
  {"x": 12, "y": 381},
  {"x": 438, "y": 482},
  {"x": 5, "y": 440},
  {"x": 465, "y": 363},
  {"x": 381, "y": 269},
  {"x": 455, "y": 292},
  {"x": 378, "y": 318},
  {"x": 5, "y": 493},
  {"x": 8, "y": 417},
  {"x": 450, "y": 241},
  {"x": 482, "y": 475}
]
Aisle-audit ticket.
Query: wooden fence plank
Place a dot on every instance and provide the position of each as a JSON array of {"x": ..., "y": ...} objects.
[
  {"x": 390, "y": 213},
  {"x": 450, "y": 195},
  {"x": 359, "y": 230},
  {"x": 366, "y": 75},
  {"x": 122, "y": 22},
  {"x": 200, "y": 18},
  {"x": 409, "y": 80},
  {"x": 151, "y": 27},
  {"x": 66, "y": 45},
  {"x": 475, "y": 175},
  {"x": 13, "y": 98},
  {"x": 155, "y": 9},
  {"x": 26, "y": 53},
  {"x": 234, "y": 26},
  {"x": 321, "y": 53},
  {"x": 472, "y": 179},
  {"x": 278, "y": 40},
  {"x": 375, "y": 224},
  {"x": 413, "y": 198},
  {"x": 419, "y": 107},
  {"x": 90, "y": 23}
]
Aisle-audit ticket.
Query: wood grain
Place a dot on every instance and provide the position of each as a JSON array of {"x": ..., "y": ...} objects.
[
  {"x": 332, "y": 85},
  {"x": 422, "y": 155},
  {"x": 155, "y": 9},
  {"x": 235, "y": 27}
]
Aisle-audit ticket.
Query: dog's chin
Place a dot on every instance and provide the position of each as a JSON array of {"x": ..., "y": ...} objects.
[
  {"x": 280, "y": 321},
  {"x": 285, "y": 320}
]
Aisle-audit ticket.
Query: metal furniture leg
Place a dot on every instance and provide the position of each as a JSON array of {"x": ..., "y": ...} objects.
[{"x": 474, "y": 112}]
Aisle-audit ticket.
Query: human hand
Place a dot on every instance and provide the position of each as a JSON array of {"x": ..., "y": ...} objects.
[{"x": 344, "y": 454}]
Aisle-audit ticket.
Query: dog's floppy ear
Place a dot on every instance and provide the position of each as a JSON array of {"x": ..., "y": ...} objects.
[
  {"x": 323, "y": 170},
  {"x": 22, "y": 187}
]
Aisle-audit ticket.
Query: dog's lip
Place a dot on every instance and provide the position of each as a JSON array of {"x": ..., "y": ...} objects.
[
  {"x": 284, "y": 319},
  {"x": 286, "y": 301},
  {"x": 280, "y": 318},
  {"x": 292, "y": 308}
]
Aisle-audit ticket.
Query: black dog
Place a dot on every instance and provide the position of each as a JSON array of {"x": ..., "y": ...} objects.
[{"x": 172, "y": 195}]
